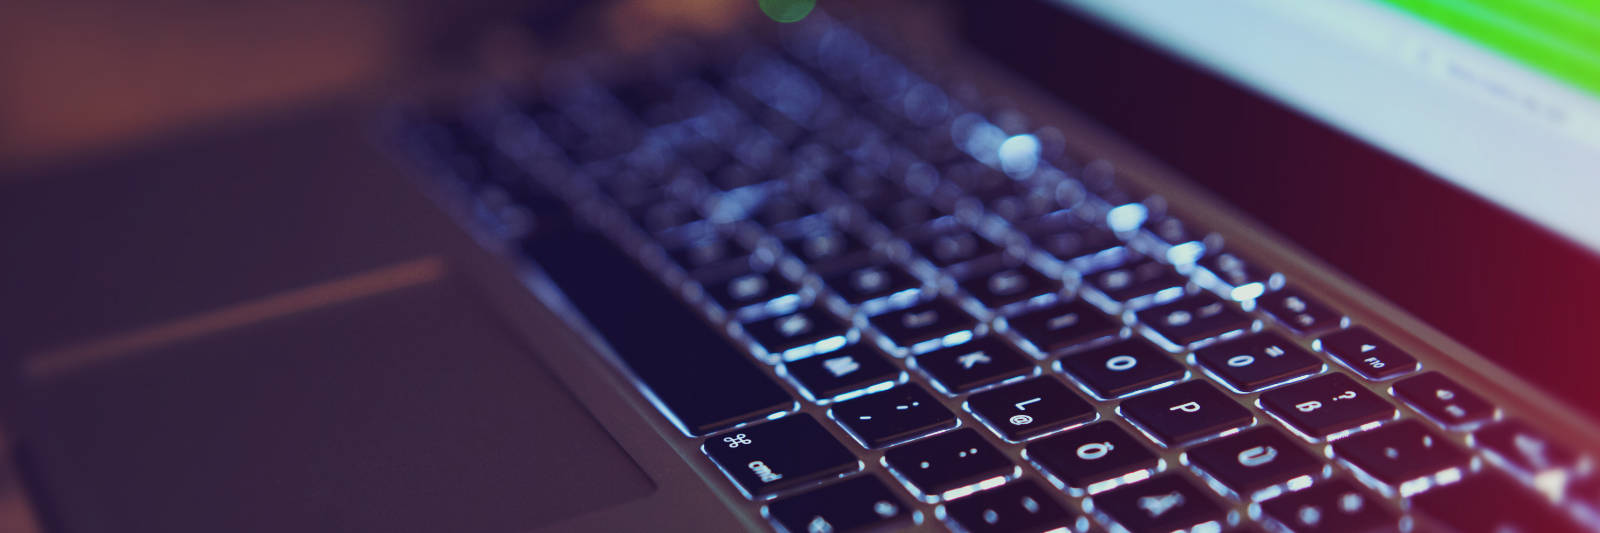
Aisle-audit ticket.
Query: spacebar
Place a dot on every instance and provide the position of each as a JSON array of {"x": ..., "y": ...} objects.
[{"x": 698, "y": 375}]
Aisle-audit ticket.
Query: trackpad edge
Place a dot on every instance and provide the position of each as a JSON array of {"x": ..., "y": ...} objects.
[{"x": 406, "y": 411}]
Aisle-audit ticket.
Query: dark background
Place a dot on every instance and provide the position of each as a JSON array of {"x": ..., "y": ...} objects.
[{"x": 1517, "y": 293}]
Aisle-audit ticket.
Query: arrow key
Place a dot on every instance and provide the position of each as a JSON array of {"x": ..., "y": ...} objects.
[{"x": 974, "y": 364}]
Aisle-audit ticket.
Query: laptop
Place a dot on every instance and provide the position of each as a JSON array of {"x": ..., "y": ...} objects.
[{"x": 1055, "y": 265}]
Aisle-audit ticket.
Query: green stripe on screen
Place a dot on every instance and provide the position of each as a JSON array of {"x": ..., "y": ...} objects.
[{"x": 1558, "y": 37}]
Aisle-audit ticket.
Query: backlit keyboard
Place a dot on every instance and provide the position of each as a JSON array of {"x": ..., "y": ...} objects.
[{"x": 871, "y": 305}]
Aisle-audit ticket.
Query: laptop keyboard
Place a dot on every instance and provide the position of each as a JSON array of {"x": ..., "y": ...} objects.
[{"x": 877, "y": 306}]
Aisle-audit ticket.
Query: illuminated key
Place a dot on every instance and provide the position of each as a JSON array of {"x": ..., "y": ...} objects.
[
  {"x": 1328, "y": 404},
  {"x": 1444, "y": 400},
  {"x": 942, "y": 464},
  {"x": 772, "y": 456},
  {"x": 1167, "y": 502},
  {"x": 1255, "y": 459},
  {"x": 859, "y": 503},
  {"x": 894, "y": 415},
  {"x": 1332, "y": 506},
  {"x": 1018, "y": 506}
]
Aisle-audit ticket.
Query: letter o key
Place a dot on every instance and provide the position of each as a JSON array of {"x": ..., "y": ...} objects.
[
  {"x": 1121, "y": 363},
  {"x": 1094, "y": 450}
]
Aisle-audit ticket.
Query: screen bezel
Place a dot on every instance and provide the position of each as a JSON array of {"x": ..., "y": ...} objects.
[{"x": 1517, "y": 293}]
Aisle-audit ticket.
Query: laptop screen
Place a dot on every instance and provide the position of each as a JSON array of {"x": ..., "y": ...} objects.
[{"x": 1499, "y": 98}]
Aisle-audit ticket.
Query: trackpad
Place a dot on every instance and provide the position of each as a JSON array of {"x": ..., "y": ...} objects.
[{"x": 407, "y": 411}]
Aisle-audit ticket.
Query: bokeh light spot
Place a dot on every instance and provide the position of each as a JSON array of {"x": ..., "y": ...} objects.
[{"x": 787, "y": 10}]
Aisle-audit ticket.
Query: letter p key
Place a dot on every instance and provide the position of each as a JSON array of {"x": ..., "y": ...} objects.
[{"x": 1187, "y": 407}]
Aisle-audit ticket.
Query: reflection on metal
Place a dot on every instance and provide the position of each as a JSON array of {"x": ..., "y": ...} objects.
[{"x": 54, "y": 363}]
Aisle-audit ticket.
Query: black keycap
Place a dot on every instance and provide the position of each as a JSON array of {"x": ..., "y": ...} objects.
[
  {"x": 850, "y": 369},
  {"x": 943, "y": 463},
  {"x": 1443, "y": 399},
  {"x": 1185, "y": 412},
  {"x": 635, "y": 192},
  {"x": 1069, "y": 238},
  {"x": 1489, "y": 502},
  {"x": 926, "y": 326},
  {"x": 826, "y": 249},
  {"x": 780, "y": 211},
  {"x": 1400, "y": 452},
  {"x": 883, "y": 418},
  {"x": 1367, "y": 354},
  {"x": 1064, "y": 325},
  {"x": 1005, "y": 286},
  {"x": 646, "y": 97},
  {"x": 1170, "y": 230},
  {"x": 1026, "y": 203},
  {"x": 985, "y": 361},
  {"x": 1254, "y": 459},
  {"x": 710, "y": 253},
  {"x": 799, "y": 334},
  {"x": 855, "y": 504},
  {"x": 1324, "y": 405},
  {"x": 978, "y": 180},
  {"x": 664, "y": 218},
  {"x": 954, "y": 248},
  {"x": 1167, "y": 502},
  {"x": 753, "y": 289},
  {"x": 701, "y": 153},
  {"x": 736, "y": 175},
  {"x": 873, "y": 282},
  {"x": 595, "y": 276},
  {"x": 1091, "y": 454},
  {"x": 1258, "y": 361},
  {"x": 864, "y": 186},
  {"x": 1523, "y": 448},
  {"x": 1298, "y": 312},
  {"x": 784, "y": 453},
  {"x": 1333, "y": 506},
  {"x": 1122, "y": 367},
  {"x": 908, "y": 213},
  {"x": 1015, "y": 507},
  {"x": 1033, "y": 407},
  {"x": 1142, "y": 278},
  {"x": 1192, "y": 319},
  {"x": 1236, "y": 278}
]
